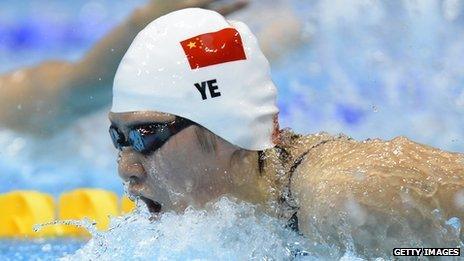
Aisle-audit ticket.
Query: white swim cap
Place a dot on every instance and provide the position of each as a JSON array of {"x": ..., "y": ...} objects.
[{"x": 195, "y": 64}]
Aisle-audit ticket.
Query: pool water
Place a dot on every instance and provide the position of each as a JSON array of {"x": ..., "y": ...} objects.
[
  {"x": 365, "y": 68},
  {"x": 38, "y": 249},
  {"x": 226, "y": 230}
]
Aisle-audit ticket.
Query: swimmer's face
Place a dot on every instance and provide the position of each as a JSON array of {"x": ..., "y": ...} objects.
[{"x": 178, "y": 174}]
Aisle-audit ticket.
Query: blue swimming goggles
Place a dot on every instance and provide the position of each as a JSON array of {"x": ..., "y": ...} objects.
[{"x": 148, "y": 137}]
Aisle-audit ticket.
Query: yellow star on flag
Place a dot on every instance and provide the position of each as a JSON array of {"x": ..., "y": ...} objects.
[{"x": 192, "y": 44}]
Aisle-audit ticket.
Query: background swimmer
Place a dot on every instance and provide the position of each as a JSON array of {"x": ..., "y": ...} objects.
[
  {"x": 376, "y": 193},
  {"x": 55, "y": 93}
]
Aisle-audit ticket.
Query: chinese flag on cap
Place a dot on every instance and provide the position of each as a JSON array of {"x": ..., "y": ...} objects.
[{"x": 214, "y": 48}]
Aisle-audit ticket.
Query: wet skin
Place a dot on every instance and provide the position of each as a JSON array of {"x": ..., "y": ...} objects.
[{"x": 181, "y": 173}]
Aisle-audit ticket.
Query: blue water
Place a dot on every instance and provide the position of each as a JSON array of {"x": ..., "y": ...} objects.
[
  {"x": 365, "y": 68},
  {"x": 38, "y": 249},
  {"x": 33, "y": 31}
]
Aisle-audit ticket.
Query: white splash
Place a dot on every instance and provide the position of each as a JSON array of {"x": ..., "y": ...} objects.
[{"x": 225, "y": 230}]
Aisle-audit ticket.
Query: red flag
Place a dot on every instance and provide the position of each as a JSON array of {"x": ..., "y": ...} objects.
[{"x": 213, "y": 48}]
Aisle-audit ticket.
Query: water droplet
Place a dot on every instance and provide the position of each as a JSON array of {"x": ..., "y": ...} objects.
[{"x": 46, "y": 248}]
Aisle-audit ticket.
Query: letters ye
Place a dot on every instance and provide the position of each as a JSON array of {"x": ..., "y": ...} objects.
[{"x": 212, "y": 86}]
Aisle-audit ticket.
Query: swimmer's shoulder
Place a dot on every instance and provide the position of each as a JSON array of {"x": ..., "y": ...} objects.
[
  {"x": 294, "y": 149},
  {"x": 298, "y": 144},
  {"x": 331, "y": 156},
  {"x": 325, "y": 153}
]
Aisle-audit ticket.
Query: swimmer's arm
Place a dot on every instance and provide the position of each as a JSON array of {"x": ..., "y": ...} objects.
[
  {"x": 372, "y": 182},
  {"x": 99, "y": 65},
  {"x": 35, "y": 99}
]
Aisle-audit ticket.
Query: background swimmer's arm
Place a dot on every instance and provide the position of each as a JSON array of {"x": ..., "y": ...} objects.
[
  {"x": 40, "y": 99},
  {"x": 99, "y": 65}
]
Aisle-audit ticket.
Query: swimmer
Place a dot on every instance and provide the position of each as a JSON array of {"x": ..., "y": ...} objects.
[
  {"x": 194, "y": 117},
  {"x": 40, "y": 100}
]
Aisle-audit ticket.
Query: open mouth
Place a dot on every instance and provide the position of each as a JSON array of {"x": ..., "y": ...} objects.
[{"x": 153, "y": 206}]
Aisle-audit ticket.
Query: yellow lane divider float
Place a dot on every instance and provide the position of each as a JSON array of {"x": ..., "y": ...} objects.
[{"x": 21, "y": 210}]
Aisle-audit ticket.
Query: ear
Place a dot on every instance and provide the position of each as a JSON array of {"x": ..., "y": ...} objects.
[{"x": 276, "y": 139}]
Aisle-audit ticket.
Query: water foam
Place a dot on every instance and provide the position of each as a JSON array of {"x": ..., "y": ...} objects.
[{"x": 225, "y": 230}]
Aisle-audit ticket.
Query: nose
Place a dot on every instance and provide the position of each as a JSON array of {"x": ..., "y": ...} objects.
[{"x": 130, "y": 169}]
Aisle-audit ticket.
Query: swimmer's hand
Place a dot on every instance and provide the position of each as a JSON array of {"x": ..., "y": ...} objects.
[{"x": 45, "y": 98}]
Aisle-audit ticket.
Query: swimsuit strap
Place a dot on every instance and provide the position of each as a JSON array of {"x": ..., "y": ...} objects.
[{"x": 287, "y": 198}]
